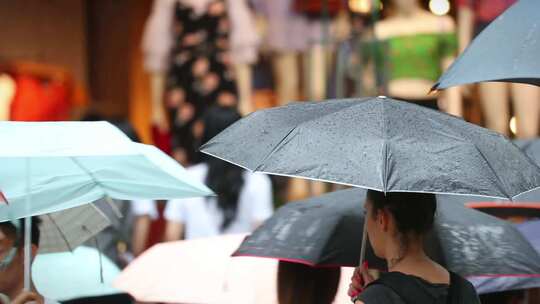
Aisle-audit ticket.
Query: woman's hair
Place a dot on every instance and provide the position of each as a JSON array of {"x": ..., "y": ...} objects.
[
  {"x": 225, "y": 179},
  {"x": 414, "y": 212},
  {"x": 301, "y": 284}
]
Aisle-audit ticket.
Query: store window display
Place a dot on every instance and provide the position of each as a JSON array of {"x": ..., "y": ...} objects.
[
  {"x": 198, "y": 53},
  {"x": 298, "y": 36},
  {"x": 411, "y": 49},
  {"x": 35, "y": 92},
  {"x": 473, "y": 17}
]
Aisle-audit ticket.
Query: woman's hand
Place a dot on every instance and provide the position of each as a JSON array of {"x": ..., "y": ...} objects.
[{"x": 359, "y": 280}]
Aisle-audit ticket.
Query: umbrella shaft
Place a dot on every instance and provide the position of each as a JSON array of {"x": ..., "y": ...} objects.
[
  {"x": 27, "y": 232},
  {"x": 364, "y": 243},
  {"x": 27, "y": 252}
]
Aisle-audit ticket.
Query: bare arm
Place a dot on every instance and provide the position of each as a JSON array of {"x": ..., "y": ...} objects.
[{"x": 174, "y": 231}]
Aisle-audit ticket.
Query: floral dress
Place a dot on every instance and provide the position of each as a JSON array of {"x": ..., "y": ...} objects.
[{"x": 200, "y": 74}]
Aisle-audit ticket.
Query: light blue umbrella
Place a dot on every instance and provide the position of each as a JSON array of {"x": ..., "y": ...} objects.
[
  {"x": 47, "y": 167},
  {"x": 71, "y": 275},
  {"x": 52, "y": 166}
]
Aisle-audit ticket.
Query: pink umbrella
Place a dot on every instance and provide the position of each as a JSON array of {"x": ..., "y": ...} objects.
[
  {"x": 199, "y": 271},
  {"x": 203, "y": 271}
]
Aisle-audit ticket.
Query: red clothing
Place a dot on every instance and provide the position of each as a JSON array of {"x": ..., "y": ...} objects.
[
  {"x": 37, "y": 100},
  {"x": 486, "y": 10}
]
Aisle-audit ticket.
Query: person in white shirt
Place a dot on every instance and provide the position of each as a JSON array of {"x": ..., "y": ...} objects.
[{"x": 244, "y": 199}]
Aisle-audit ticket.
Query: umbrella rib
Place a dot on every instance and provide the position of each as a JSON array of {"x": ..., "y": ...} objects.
[
  {"x": 494, "y": 172},
  {"x": 276, "y": 147},
  {"x": 74, "y": 159},
  {"x": 384, "y": 148},
  {"x": 60, "y": 231}
]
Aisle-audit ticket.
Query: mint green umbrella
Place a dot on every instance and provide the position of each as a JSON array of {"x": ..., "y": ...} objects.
[
  {"x": 47, "y": 167},
  {"x": 71, "y": 275},
  {"x": 52, "y": 166}
]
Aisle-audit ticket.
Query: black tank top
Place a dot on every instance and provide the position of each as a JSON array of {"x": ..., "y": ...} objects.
[{"x": 400, "y": 288}]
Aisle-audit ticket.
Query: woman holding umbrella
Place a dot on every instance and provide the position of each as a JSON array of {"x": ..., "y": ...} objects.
[{"x": 396, "y": 232}]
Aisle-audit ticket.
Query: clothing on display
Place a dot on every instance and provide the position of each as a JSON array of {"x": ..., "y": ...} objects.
[
  {"x": 202, "y": 217},
  {"x": 319, "y": 8},
  {"x": 486, "y": 11},
  {"x": 200, "y": 74},
  {"x": 159, "y": 38},
  {"x": 31, "y": 91},
  {"x": 199, "y": 58},
  {"x": 40, "y": 100},
  {"x": 413, "y": 56},
  {"x": 288, "y": 30}
]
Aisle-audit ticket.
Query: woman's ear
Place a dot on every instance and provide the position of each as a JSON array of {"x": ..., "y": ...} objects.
[{"x": 384, "y": 219}]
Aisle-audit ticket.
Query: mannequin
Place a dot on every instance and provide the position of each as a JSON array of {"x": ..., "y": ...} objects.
[
  {"x": 7, "y": 92},
  {"x": 413, "y": 48},
  {"x": 299, "y": 63},
  {"x": 473, "y": 16},
  {"x": 296, "y": 44},
  {"x": 185, "y": 75}
]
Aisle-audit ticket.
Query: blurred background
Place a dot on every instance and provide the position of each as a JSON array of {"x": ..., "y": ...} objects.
[{"x": 159, "y": 65}]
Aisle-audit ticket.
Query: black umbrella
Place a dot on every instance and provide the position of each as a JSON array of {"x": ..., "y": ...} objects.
[
  {"x": 531, "y": 231},
  {"x": 378, "y": 143},
  {"x": 506, "y": 50},
  {"x": 531, "y": 147},
  {"x": 326, "y": 231},
  {"x": 525, "y": 204}
]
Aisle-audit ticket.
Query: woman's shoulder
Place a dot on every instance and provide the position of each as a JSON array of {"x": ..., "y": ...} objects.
[
  {"x": 465, "y": 287},
  {"x": 379, "y": 293}
]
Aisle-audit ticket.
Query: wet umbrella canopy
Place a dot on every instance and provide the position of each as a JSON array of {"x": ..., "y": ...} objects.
[
  {"x": 531, "y": 231},
  {"x": 378, "y": 143},
  {"x": 507, "y": 50},
  {"x": 325, "y": 231}
]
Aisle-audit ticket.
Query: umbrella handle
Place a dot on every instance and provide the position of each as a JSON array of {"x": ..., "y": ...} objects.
[{"x": 364, "y": 243}]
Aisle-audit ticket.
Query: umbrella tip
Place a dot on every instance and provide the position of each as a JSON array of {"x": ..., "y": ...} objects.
[{"x": 434, "y": 88}]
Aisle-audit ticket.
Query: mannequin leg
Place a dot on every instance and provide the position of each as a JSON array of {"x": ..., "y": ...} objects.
[
  {"x": 526, "y": 101},
  {"x": 287, "y": 86},
  {"x": 314, "y": 66},
  {"x": 244, "y": 88},
  {"x": 286, "y": 77},
  {"x": 494, "y": 98},
  {"x": 315, "y": 73}
]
